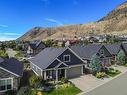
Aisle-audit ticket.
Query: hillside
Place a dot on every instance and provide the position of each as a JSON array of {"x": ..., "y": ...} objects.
[{"x": 114, "y": 23}]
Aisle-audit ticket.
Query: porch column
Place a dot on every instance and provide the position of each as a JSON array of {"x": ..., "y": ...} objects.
[
  {"x": 82, "y": 69},
  {"x": 56, "y": 75},
  {"x": 45, "y": 77},
  {"x": 65, "y": 73}
]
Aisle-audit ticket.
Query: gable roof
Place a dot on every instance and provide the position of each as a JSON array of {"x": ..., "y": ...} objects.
[
  {"x": 12, "y": 65},
  {"x": 113, "y": 48},
  {"x": 35, "y": 44},
  {"x": 124, "y": 45},
  {"x": 46, "y": 57},
  {"x": 86, "y": 52}
]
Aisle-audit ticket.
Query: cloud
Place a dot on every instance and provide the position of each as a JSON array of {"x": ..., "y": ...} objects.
[
  {"x": 4, "y": 26},
  {"x": 53, "y": 21},
  {"x": 6, "y": 38},
  {"x": 11, "y": 34}
]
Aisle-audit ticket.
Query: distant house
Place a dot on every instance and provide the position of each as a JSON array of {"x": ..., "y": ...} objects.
[
  {"x": 115, "y": 48},
  {"x": 55, "y": 63},
  {"x": 11, "y": 70},
  {"x": 35, "y": 47},
  {"x": 86, "y": 53}
]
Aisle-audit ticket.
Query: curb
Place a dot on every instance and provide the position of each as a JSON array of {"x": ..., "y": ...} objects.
[{"x": 103, "y": 83}]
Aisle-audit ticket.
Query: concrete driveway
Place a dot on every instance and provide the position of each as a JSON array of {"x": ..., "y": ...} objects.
[{"x": 86, "y": 82}]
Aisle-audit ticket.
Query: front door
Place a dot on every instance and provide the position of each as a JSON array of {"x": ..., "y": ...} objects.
[{"x": 61, "y": 73}]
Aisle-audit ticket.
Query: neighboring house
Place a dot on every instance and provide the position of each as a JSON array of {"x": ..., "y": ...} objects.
[
  {"x": 55, "y": 63},
  {"x": 113, "y": 49},
  {"x": 86, "y": 53},
  {"x": 11, "y": 70},
  {"x": 35, "y": 47}
]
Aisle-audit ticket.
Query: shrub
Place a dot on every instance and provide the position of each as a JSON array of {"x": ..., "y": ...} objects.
[
  {"x": 100, "y": 74},
  {"x": 10, "y": 92},
  {"x": 64, "y": 80},
  {"x": 34, "y": 80}
]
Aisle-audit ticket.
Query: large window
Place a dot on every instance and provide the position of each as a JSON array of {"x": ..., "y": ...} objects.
[
  {"x": 66, "y": 58},
  {"x": 5, "y": 84}
]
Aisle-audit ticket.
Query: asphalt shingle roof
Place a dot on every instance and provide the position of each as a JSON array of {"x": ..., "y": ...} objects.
[
  {"x": 35, "y": 44},
  {"x": 113, "y": 48},
  {"x": 12, "y": 65},
  {"x": 86, "y": 52},
  {"x": 45, "y": 57}
]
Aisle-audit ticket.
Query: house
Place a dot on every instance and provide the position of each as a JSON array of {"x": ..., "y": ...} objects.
[
  {"x": 113, "y": 49},
  {"x": 86, "y": 53},
  {"x": 35, "y": 47},
  {"x": 11, "y": 70},
  {"x": 55, "y": 63}
]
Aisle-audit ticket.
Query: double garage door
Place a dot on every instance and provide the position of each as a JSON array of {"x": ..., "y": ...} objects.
[{"x": 74, "y": 72}]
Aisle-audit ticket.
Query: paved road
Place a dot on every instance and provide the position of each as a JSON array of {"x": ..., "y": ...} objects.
[
  {"x": 117, "y": 86},
  {"x": 11, "y": 52}
]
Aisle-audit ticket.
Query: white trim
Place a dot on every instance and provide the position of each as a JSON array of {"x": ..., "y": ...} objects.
[
  {"x": 76, "y": 55},
  {"x": 35, "y": 65},
  {"x": 67, "y": 55},
  {"x": 9, "y": 72},
  {"x": 57, "y": 57},
  {"x": 35, "y": 72},
  {"x": 61, "y": 63},
  {"x": 6, "y": 85},
  {"x": 76, "y": 65}
]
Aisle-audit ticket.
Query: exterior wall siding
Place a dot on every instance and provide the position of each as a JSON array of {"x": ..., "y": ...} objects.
[
  {"x": 36, "y": 69},
  {"x": 5, "y": 74}
]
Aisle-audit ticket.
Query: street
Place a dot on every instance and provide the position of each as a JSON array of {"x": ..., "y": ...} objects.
[{"x": 117, "y": 86}]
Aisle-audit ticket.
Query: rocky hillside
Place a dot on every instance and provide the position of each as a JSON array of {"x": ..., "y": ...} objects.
[{"x": 114, "y": 23}]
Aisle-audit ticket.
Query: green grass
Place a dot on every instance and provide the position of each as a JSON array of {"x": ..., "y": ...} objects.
[
  {"x": 66, "y": 91},
  {"x": 72, "y": 90}
]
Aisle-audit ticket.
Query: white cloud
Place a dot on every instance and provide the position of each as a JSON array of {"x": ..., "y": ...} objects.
[
  {"x": 6, "y": 38},
  {"x": 54, "y": 21},
  {"x": 4, "y": 26},
  {"x": 11, "y": 34}
]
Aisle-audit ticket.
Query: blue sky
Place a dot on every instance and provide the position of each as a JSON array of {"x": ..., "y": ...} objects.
[{"x": 18, "y": 16}]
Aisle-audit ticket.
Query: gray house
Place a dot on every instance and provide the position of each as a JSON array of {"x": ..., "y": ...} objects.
[
  {"x": 55, "y": 63},
  {"x": 86, "y": 53},
  {"x": 11, "y": 70}
]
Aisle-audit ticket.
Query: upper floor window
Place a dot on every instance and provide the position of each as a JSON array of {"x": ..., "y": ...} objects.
[
  {"x": 101, "y": 52},
  {"x": 66, "y": 58}
]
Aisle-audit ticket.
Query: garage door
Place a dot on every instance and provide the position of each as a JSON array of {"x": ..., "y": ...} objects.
[{"x": 74, "y": 72}]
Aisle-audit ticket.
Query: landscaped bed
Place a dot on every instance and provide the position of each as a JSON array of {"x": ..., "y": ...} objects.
[{"x": 112, "y": 72}]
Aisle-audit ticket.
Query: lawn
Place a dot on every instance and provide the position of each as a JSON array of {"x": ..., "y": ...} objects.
[
  {"x": 64, "y": 91},
  {"x": 72, "y": 90}
]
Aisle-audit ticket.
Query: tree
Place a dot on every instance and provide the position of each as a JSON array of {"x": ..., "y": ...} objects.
[
  {"x": 121, "y": 57},
  {"x": 49, "y": 43},
  {"x": 95, "y": 63},
  {"x": 3, "y": 54}
]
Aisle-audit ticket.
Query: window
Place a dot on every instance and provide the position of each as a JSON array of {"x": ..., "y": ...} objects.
[
  {"x": 101, "y": 52},
  {"x": 66, "y": 58},
  {"x": 5, "y": 84}
]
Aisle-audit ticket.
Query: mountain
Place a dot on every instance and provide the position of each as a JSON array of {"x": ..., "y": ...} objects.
[{"x": 113, "y": 23}]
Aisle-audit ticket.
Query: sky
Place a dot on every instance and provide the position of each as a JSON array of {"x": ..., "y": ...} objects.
[{"x": 19, "y": 16}]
